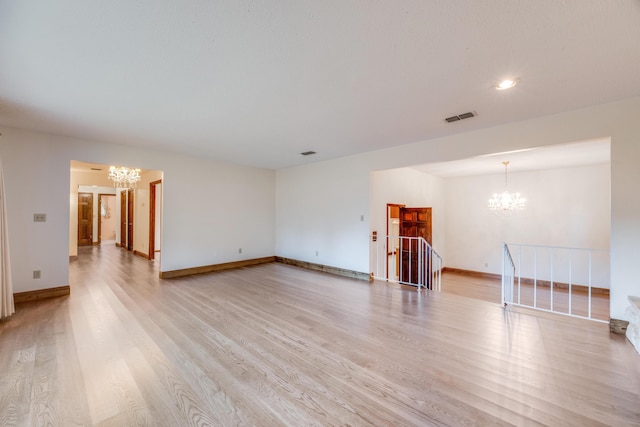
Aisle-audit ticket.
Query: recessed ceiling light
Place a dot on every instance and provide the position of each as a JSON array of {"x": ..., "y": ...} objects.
[{"x": 507, "y": 84}]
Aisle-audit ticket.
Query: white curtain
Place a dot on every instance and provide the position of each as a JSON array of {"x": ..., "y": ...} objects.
[{"x": 6, "y": 286}]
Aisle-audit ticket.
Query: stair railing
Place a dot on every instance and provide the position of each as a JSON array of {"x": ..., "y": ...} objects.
[
  {"x": 508, "y": 275},
  {"x": 406, "y": 260},
  {"x": 555, "y": 279}
]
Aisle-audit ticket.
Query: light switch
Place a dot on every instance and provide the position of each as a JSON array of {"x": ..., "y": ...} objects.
[{"x": 39, "y": 217}]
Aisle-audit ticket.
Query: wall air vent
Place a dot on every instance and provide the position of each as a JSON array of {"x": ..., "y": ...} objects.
[
  {"x": 460, "y": 117},
  {"x": 308, "y": 153}
]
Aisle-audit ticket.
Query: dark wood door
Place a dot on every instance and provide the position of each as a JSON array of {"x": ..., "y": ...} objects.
[
  {"x": 123, "y": 219},
  {"x": 130, "y": 220},
  {"x": 85, "y": 219},
  {"x": 414, "y": 222}
]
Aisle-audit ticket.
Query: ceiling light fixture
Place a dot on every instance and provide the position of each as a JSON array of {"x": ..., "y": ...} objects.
[
  {"x": 124, "y": 177},
  {"x": 506, "y": 204},
  {"x": 507, "y": 84}
]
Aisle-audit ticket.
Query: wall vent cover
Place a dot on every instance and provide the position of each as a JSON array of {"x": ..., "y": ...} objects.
[{"x": 460, "y": 117}]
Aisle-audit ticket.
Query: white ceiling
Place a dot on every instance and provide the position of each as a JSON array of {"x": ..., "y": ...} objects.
[
  {"x": 259, "y": 82},
  {"x": 553, "y": 157}
]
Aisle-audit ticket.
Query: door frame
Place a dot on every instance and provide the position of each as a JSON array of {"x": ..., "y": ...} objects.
[
  {"x": 123, "y": 219},
  {"x": 386, "y": 249},
  {"x": 130, "y": 218},
  {"x": 152, "y": 217}
]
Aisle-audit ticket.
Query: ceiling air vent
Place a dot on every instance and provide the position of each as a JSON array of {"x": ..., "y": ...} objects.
[
  {"x": 460, "y": 117},
  {"x": 308, "y": 153}
]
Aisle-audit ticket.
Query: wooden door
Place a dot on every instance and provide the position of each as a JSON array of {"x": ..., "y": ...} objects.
[
  {"x": 130, "y": 220},
  {"x": 85, "y": 219},
  {"x": 123, "y": 219},
  {"x": 414, "y": 222}
]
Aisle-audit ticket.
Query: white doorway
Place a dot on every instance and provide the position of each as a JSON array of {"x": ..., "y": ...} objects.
[{"x": 107, "y": 220}]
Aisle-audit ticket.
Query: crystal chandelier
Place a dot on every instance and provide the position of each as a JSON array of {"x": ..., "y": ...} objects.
[
  {"x": 124, "y": 177},
  {"x": 506, "y": 203}
]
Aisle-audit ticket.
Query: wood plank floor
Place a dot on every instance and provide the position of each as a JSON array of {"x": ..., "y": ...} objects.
[{"x": 276, "y": 345}]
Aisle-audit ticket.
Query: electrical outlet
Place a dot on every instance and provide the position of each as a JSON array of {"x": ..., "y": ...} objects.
[
  {"x": 39, "y": 217},
  {"x": 316, "y": 253},
  {"x": 240, "y": 250},
  {"x": 486, "y": 265},
  {"x": 36, "y": 274}
]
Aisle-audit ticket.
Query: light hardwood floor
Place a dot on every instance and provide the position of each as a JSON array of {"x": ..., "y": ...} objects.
[{"x": 277, "y": 345}]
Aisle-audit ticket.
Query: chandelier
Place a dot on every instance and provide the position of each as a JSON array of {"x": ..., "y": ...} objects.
[
  {"x": 506, "y": 203},
  {"x": 124, "y": 177}
]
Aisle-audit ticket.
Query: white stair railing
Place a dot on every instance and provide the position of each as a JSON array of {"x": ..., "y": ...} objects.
[
  {"x": 508, "y": 275},
  {"x": 555, "y": 279},
  {"x": 406, "y": 260}
]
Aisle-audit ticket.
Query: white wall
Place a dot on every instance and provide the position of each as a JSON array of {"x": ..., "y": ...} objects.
[
  {"x": 319, "y": 208},
  {"x": 566, "y": 207},
  {"x": 210, "y": 208},
  {"x": 319, "y": 205}
]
